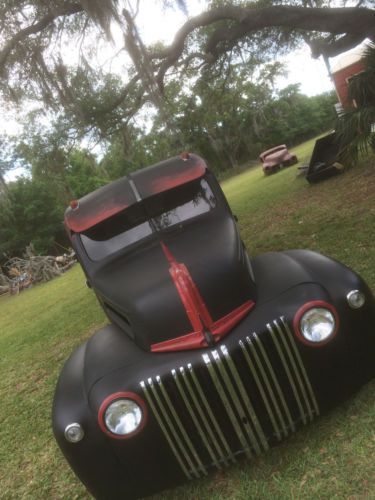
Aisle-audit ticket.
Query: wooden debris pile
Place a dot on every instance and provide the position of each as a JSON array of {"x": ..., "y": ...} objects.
[
  {"x": 4, "y": 284},
  {"x": 20, "y": 273}
]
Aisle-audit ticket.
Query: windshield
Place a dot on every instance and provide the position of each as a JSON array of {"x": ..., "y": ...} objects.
[{"x": 137, "y": 222}]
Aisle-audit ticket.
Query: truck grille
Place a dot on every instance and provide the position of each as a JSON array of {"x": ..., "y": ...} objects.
[{"x": 233, "y": 403}]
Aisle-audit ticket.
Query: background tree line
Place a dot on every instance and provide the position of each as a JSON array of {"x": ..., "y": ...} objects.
[{"x": 227, "y": 122}]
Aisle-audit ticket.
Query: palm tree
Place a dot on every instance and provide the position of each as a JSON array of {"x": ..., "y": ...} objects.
[{"x": 356, "y": 126}]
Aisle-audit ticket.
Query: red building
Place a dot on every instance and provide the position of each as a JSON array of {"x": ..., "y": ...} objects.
[{"x": 346, "y": 68}]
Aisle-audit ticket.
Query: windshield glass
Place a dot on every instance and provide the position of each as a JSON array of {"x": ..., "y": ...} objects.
[
  {"x": 178, "y": 205},
  {"x": 133, "y": 224}
]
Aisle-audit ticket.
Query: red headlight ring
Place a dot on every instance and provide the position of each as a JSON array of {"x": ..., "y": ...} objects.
[
  {"x": 301, "y": 311},
  {"x": 122, "y": 395}
]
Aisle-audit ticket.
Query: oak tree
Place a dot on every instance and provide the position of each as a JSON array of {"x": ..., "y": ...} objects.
[{"x": 35, "y": 34}]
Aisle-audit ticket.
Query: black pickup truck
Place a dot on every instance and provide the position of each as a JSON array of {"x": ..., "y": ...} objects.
[{"x": 209, "y": 355}]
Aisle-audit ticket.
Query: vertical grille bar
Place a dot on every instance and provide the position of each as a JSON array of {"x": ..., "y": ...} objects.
[
  {"x": 198, "y": 424},
  {"x": 227, "y": 405},
  {"x": 288, "y": 373},
  {"x": 193, "y": 414},
  {"x": 296, "y": 372},
  {"x": 274, "y": 379},
  {"x": 260, "y": 387},
  {"x": 212, "y": 418},
  {"x": 246, "y": 400},
  {"x": 301, "y": 365},
  {"x": 167, "y": 433},
  {"x": 241, "y": 412},
  {"x": 181, "y": 428}
]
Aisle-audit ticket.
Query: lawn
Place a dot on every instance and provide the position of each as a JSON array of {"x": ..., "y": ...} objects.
[{"x": 333, "y": 458}]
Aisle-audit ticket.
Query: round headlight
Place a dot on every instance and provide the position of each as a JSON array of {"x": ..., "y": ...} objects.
[
  {"x": 122, "y": 416},
  {"x": 317, "y": 324},
  {"x": 356, "y": 299}
]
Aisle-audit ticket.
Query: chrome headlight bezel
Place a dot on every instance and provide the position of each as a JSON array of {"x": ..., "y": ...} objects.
[
  {"x": 308, "y": 308},
  {"x": 111, "y": 401}
]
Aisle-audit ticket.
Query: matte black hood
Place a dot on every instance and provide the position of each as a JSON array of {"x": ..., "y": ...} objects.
[
  {"x": 162, "y": 251},
  {"x": 140, "y": 295}
]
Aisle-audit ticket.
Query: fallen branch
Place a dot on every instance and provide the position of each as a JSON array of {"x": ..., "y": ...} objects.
[{"x": 20, "y": 273}]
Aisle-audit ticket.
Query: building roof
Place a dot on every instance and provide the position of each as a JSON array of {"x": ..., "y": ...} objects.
[{"x": 349, "y": 58}]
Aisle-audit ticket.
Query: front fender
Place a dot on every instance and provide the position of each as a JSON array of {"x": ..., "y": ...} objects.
[
  {"x": 276, "y": 272},
  {"x": 303, "y": 382},
  {"x": 91, "y": 459}
]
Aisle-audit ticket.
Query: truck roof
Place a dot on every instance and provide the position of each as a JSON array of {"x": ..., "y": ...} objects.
[{"x": 126, "y": 191}]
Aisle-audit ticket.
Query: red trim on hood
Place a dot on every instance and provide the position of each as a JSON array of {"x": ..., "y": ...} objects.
[
  {"x": 193, "y": 340},
  {"x": 223, "y": 325},
  {"x": 197, "y": 312}
]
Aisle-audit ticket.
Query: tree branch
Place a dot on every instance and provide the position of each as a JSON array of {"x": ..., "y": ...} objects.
[
  {"x": 120, "y": 98},
  {"x": 35, "y": 28},
  {"x": 355, "y": 23},
  {"x": 334, "y": 47}
]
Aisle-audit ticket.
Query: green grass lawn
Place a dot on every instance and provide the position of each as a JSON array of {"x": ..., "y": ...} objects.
[{"x": 333, "y": 458}]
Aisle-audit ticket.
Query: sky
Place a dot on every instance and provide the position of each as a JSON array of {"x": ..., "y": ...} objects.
[{"x": 311, "y": 74}]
